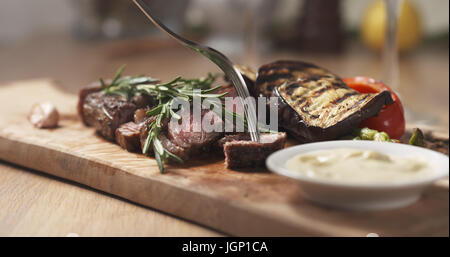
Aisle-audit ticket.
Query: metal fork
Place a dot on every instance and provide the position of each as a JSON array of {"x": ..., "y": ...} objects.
[{"x": 220, "y": 60}]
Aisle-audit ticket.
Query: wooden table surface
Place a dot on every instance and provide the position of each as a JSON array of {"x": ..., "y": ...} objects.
[{"x": 34, "y": 204}]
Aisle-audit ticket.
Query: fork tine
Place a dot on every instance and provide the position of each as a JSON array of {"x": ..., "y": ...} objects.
[{"x": 221, "y": 61}]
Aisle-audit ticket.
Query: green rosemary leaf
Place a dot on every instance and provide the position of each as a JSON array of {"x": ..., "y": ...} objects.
[
  {"x": 120, "y": 92},
  {"x": 102, "y": 82},
  {"x": 177, "y": 79},
  {"x": 159, "y": 162},
  {"x": 174, "y": 157},
  {"x": 118, "y": 74},
  {"x": 174, "y": 115},
  {"x": 207, "y": 91},
  {"x": 142, "y": 80},
  {"x": 155, "y": 111},
  {"x": 159, "y": 119},
  {"x": 163, "y": 88},
  {"x": 158, "y": 146},
  {"x": 211, "y": 95},
  {"x": 148, "y": 140}
]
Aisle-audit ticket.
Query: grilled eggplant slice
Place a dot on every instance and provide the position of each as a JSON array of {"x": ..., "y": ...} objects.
[
  {"x": 315, "y": 104},
  {"x": 275, "y": 74}
]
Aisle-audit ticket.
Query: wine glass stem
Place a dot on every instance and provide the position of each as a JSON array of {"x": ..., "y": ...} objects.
[
  {"x": 391, "y": 72},
  {"x": 390, "y": 53}
]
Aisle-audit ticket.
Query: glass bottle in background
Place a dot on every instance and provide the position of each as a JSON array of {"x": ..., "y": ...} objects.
[
  {"x": 315, "y": 27},
  {"x": 321, "y": 26}
]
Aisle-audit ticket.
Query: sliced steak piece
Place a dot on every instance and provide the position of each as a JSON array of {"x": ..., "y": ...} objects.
[
  {"x": 195, "y": 142},
  {"x": 163, "y": 137},
  {"x": 107, "y": 112},
  {"x": 128, "y": 136},
  {"x": 316, "y": 105},
  {"x": 84, "y": 92},
  {"x": 231, "y": 138},
  {"x": 183, "y": 141},
  {"x": 244, "y": 154}
]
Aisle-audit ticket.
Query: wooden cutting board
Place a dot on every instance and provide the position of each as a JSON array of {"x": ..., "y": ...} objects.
[{"x": 241, "y": 203}]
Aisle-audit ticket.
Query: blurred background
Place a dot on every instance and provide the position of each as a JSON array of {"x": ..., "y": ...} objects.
[{"x": 78, "y": 41}]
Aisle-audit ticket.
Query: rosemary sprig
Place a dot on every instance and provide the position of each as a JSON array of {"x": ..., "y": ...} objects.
[
  {"x": 166, "y": 93},
  {"x": 125, "y": 86}
]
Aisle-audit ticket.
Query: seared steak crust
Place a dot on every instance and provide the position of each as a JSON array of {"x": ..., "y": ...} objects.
[
  {"x": 107, "y": 112},
  {"x": 244, "y": 153},
  {"x": 128, "y": 136},
  {"x": 94, "y": 87},
  {"x": 232, "y": 138}
]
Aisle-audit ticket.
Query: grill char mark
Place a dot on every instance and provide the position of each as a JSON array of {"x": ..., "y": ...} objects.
[
  {"x": 341, "y": 99},
  {"x": 336, "y": 117},
  {"x": 322, "y": 90},
  {"x": 292, "y": 87},
  {"x": 359, "y": 102},
  {"x": 276, "y": 76}
]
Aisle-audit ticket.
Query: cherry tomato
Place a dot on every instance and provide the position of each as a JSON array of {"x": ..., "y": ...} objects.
[{"x": 391, "y": 119}]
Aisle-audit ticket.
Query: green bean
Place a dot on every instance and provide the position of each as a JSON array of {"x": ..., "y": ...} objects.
[
  {"x": 417, "y": 138},
  {"x": 382, "y": 137},
  {"x": 368, "y": 134}
]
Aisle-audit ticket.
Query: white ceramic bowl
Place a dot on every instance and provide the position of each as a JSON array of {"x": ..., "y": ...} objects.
[{"x": 361, "y": 196}]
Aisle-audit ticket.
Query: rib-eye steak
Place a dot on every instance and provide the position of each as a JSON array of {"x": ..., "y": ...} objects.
[
  {"x": 194, "y": 138},
  {"x": 186, "y": 141},
  {"x": 84, "y": 92},
  {"x": 316, "y": 105},
  {"x": 163, "y": 137},
  {"x": 107, "y": 112},
  {"x": 128, "y": 136}
]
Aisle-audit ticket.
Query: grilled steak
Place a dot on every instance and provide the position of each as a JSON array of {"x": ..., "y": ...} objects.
[
  {"x": 163, "y": 137},
  {"x": 232, "y": 138},
  {"x": 107, "y": 112},
  {"x": 184, "y": 141},
  {"x": 245, "y": 153},
  {"x": 195, "y": 142},
  {"x": 316, "y": 105},
  {"x": 128, "y": 136},
  {"x": 94, "y": 87}
]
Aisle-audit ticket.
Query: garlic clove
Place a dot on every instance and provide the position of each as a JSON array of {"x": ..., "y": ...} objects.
[{"x": 44, "y": 115}]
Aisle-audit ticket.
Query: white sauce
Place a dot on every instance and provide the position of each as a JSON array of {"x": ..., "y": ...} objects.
[{"x": 359, "y": 166}]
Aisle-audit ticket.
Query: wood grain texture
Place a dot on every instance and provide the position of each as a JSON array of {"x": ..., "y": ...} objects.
[
  {"x": 243, "y": 203},
  {"x": 34, "y": 204}
]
